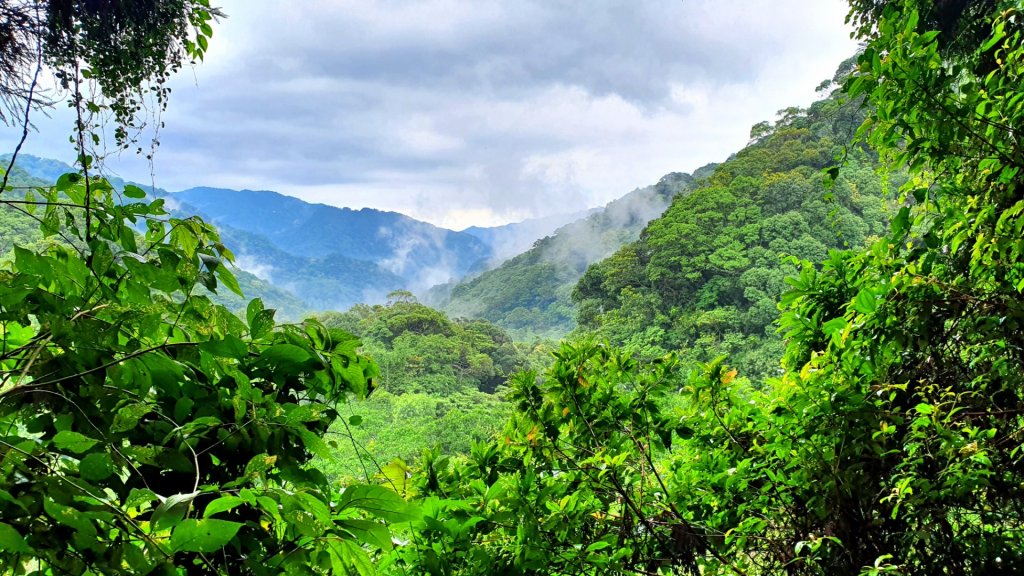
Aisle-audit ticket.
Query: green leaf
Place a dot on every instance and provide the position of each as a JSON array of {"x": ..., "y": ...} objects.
[
  {"x": 222, "y": 504},
  {"x": 255, "y": 307},
  {"x": 865, "y": 302},
  {"x": 73, "y": 441},
  {"x": 96, "y": 466},
  {"x": 66, "y": 181},
  {"x": 11, "y": 541},
  {"x": 229, "y": 347},
  {"x": 599, "y": 545},
  {"x": 901, "y": 222},
  {"x": 207, "y": 535},
  {"x": 132, "y": 191},
  {"x": 261, "y": 324},
  {"x": 288, "y": 357},
  {"x": 355, "y": 420},
  {"x": 378, "y": 501},
  {"x": 353, "y": 558},
  {"x": 259, "y": 464},
  {"x": 140, "y": 496},
  {"x": 129, "y": 416},
  {"x": 314, "y": 443},
  {"x": 85, "y": 532},
  {"x": 228, "y": 279},
  {"x": 834, "y": 326},
  {"x": 368, "y": 532},
  {"x": 163, "y": 370}
]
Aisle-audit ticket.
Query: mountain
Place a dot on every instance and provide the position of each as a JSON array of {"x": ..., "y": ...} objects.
[
  {"x": 308, "y": 257},
  {"x": 705, "y": 277},
  {"x": 529, "y": 294},
  {"x": 19, "y": 228},
  {"x": 44, "y": 169},
  {"x": 511, "y": 239},
  {"x": 328, "y": 282},
  {"x": 418, "y": 253}
]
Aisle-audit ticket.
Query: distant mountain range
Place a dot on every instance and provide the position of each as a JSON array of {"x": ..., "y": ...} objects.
[
  {"x": 328, "y": 257},
  {"x": 333, "y": 257}
]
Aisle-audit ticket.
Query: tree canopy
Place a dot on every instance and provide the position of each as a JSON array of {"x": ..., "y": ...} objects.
[
  {"x": 890, "y": 443},
  {"x": 127, "y": 50},
  {"x": 147, "y": 429}
]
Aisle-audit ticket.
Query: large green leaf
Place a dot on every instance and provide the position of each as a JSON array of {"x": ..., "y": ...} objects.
[
  {"x": 222, "y": 504},
  {"x": 207, "y": 535},
  {"x": 96, "y": 466},
  {"x": 73, "y": 441},
  {"x": 378, "y": 501},
  {"x": 12, "y": 541}
]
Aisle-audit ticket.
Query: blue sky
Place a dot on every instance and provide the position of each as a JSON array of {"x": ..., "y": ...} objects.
[{"x": 464, "y": 112}]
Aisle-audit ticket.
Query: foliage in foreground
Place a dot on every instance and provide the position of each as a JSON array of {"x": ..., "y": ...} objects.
[
  {"x": 147, "y": 429},
  {"x": 892, "y": 443}
]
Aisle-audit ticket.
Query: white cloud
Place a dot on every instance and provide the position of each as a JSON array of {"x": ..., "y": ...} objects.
[{"x": 467, "y": 112}]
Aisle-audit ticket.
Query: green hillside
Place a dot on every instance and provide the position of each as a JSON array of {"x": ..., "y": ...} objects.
[
  {"x": 806, "y": 361},
  {"x": 705, "y": 278},
  {"x": 529, "y": 294},
  {"x": 436, "y": 387}
]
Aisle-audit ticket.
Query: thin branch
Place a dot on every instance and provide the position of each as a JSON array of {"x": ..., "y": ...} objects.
[{"x": 28, "y": 106}]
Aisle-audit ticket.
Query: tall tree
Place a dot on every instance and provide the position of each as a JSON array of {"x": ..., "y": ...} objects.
[{"x": 143, "y": 428}]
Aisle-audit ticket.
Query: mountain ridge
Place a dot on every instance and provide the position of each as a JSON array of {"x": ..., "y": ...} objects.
[{"x": 529, "y": 294}]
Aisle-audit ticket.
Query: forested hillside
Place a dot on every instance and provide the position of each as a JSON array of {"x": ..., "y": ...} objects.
[
  {"x": 529, "y": 294},
  {"x": 436, "y": 388},
  {"x": 705, "y": 278},
  {"x": 812, "y": 363}
]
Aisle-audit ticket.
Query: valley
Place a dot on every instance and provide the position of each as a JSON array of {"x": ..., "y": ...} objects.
[{"x": 803, "y": 358}]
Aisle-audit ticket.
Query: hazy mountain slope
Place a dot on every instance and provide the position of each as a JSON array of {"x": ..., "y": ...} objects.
[
  {"x": 706, "y": 276},
  {"x": 529, "y": 294},
  {"x": 419, "y": 253},
  {"x": 511, "y": 239},
  {"x": 46, "y": 170},
  {"x": 329, "y": 282}
]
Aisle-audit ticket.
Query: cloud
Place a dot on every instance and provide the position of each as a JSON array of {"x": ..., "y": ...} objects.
[
  {"x": 253, "y": 265},
  {"x": 450, "y": 110}
]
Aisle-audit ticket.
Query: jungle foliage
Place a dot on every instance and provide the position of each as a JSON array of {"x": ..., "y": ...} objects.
[
  {"x": 706, "y": 276},
  {"x": 148, "y": 430},
  {"x": 441, "y": 384},
  {"x": 891, "y": 443}
]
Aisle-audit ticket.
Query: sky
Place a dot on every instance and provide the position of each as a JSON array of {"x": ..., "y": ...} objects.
[{"x": 476, "y": 112}]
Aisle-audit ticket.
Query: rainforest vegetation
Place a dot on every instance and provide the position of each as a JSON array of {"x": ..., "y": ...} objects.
[{"x": 812, "y": 362}]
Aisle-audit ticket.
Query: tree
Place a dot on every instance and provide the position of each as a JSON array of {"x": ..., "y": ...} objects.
[
  {"x": 112, "y": 60},
  {"x": 891, "y": 444},
  {"x": 143, "y": 428}
]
